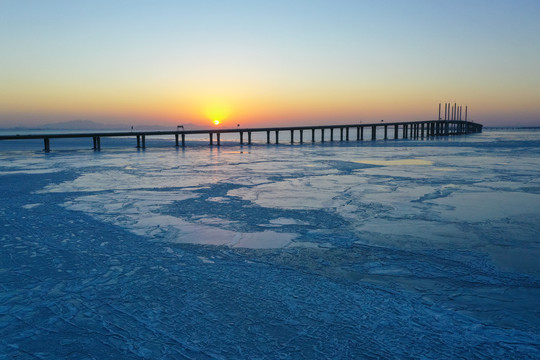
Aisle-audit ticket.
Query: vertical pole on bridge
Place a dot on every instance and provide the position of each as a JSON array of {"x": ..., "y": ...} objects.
[
  {"x": 249, "y": 137},
  {"x": 241, "y": 138},
  {"x": 218, "y": 136},
  {"x": 439, "y": 111},
  {"x": 322, "y": 135},
  {"x": 292, "y": 136},
  {"x": 301, "y": 136},
  {"x": 313, "y": 135},
  {"x": 138, "y": 142},
  {"x": 357, "y": 133},
  {"x": 347, "y": 133},
  {"x": 46, "y": 144},
  {"x": 385, "y": 132},
  {"x": 362, "y": 133},
  {"x": 277, "y": 136},
  {"x": 340, "y": 134},
  {"x": 211, "y": 138},
  {"x": 268, "y": 136},
  {"x": 331, "y": 134},
  {"x": 176, "y": 139},
  {"x": 373, "y": 132},
  {"x": 183, "y": 140},
  {"x": 396, "y": 126},
  {"x": 143, "y": 140}
]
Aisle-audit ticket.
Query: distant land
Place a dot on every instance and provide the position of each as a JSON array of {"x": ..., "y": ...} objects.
[{"x": 93, "y": 125}]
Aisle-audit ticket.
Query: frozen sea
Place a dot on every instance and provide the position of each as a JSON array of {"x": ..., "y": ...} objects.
[{"x": 425, "y": 249}]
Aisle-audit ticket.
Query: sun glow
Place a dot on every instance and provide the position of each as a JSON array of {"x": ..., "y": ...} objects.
[{"x": 217, "y": 112}]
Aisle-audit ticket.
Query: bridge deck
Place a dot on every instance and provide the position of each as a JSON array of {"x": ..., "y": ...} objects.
[{"x": 412, "y": 129}]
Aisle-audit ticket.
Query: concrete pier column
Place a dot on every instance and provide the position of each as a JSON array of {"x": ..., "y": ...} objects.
[
  {"x": 292, "y": 136},
  {"x": 249, "y": 137},
  {"x": 176, "y": 139},
  {"x": 46, "y": 144},
  {"x": 404, "y": 136},
  {"x": 340, "y": 134},
  {"x": 357, "y": 133},
  {"x": 347, "y": 133},
  {"x": 143, "y": 141},
  {"x": 268, "y": 136},
  {"x": 138, "y": 142},
  {"x": 422, "y": 131},
  {"x": 301, "y": 136},
  {"x": 218, "y": 136},
  {"x": 313, "y": 135},
  {"x": 331, "y": 134},
  {"x": 211, "y": 139},
  {"x": 322, "y": 135},
  {"x": 385, "y": 132},
  {"x": 361, "y": 133},
  {"x": 95, "y": 142},
  {"x": 373, "y": 132},
  {"x": 241, "y": 138},
  {"x": 277, "y": 136},
  {"x": 183, "y": 140}
]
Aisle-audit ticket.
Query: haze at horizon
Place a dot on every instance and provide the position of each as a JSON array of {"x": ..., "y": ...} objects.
[{"x": 259, "y": 63}]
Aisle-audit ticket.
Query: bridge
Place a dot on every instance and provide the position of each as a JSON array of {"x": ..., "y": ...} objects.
[{"x": 349, "y": 132}]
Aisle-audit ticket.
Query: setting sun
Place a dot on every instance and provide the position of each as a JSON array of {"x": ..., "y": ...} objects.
[{"x": 217, "y": 112}]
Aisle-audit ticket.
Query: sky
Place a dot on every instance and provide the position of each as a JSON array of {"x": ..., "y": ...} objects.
[{"x": 268, "y": 63}]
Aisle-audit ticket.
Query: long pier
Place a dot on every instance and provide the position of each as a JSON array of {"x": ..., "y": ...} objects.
[{"x": 349, "y": 132}]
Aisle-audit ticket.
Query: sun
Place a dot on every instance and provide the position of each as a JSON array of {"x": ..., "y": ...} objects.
[{"x": 217, "y": 112}]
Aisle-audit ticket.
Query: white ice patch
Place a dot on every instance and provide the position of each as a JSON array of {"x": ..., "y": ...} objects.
[
  {"x": 482, "y": 206},
  {"x": 31, "y": 206}
]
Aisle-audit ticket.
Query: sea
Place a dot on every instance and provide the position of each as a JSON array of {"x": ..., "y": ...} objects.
[{"x": 387, "y": 249}]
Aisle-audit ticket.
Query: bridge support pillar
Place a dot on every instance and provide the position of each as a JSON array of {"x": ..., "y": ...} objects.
[
  {"x": 385, "y": 132},
  {"x": 362, "y": 133},
  {"x": 211, "y": 138},
  {"x": 218, "y": 138},
  {"x": 249, "y": 137},
  {"x": 268, "y": 136},
  {"x": 241, "y": 138},
  {"x": 396, "y": 131},
  {"x": 331, "y": 134},
  {"x": 183, "y": 140},
  {"x": 46, "y": 144},
  {"x": 176, "y": 139},
  {"x": 340, "y": 134},
  {"x": 97, "y": 142},
  {"x": 322, "y": 135},
  {"x": 347, "y": 133},
  {"x": 138, "y": 141},
  {"x": 301, "y": 136},
  {"x": 277, "y": 136},
  {"x": 313, "y": 135},
  {"x": 292, "y": 136},
  {"x": 143, "y": 141},
  {"x": 373, "y": 132}
]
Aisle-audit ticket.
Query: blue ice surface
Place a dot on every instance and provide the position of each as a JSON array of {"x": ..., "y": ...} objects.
[{"x": 387, "y": 249}]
